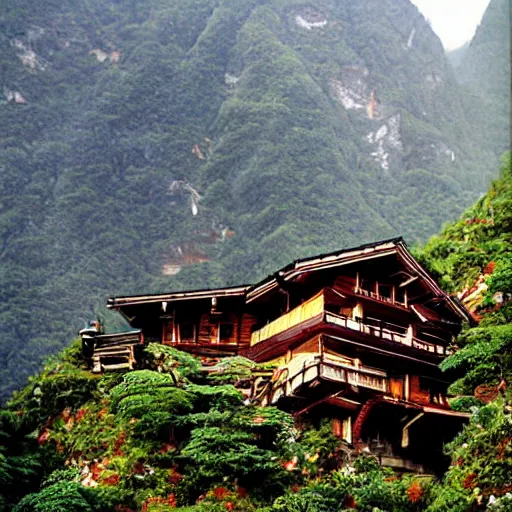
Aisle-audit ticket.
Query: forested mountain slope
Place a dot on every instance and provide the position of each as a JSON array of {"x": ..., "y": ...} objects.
[
  {"x": 473, "y": 258},
  {"x": 170, "y": 436},
  {"x": 156, "y": 145},
  {"x": 484, "y": 70}
]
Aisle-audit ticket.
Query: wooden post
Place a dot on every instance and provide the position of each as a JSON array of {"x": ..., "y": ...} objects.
[
  {"x": 405, "y": 431},
  {"x": 347, "y": 429}
]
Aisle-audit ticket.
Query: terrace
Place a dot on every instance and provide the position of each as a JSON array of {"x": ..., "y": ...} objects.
[
  {"x": 307, "y": 368},
  {"x": 319, "y": 311}
]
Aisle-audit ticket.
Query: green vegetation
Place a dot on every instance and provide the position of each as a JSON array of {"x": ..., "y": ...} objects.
[
  {"x": 473, "y": 256},
  {"x": 122, "y": 119},
  {"x": 170, "y": 437},
  {"x": 150, "y": 441}
]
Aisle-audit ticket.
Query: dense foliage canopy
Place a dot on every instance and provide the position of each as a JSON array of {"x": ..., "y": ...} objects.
[
  {"x": 170, "y": 436},
  {"x": 154, "y": 145}
]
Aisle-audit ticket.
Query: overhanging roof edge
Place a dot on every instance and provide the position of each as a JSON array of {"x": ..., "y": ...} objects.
[
  {"x": 323, "y": 261},
  {"x": 117, "y": 302}
]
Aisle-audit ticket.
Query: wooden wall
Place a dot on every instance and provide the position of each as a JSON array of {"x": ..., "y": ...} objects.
[
  {"x": 416, "y": 394},
  {"x": 247, "y": 323},
  {"x": 207, "y": 328}
]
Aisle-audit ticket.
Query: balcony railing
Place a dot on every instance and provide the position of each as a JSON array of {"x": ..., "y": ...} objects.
[
  {"x": 381, "y": 298},
  {"x": 301, "y": 371},
  {"x": 300, "y": 314},
  {"x": 378, "y": 331},
  {"x": 315, "y": 307},
  {"x": 383, "y": 333}
]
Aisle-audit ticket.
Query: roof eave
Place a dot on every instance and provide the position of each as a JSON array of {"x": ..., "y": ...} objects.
[
  {"x": 337, "y": 259},
  {"x": 118, "y": 302}
]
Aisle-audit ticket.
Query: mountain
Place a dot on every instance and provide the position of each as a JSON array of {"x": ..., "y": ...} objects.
[
  {"x": 160, "y": 145},
  {"x": 173, "y": 437},
  {"x": 484, "y": 70},
  {"x": 472, "y": 257},
  {"x": 455, "y": 56}
]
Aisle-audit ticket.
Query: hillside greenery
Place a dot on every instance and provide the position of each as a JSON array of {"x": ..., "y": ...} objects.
[
  {"x": 473, "y": 256},
  {"x": 148, "y": 146},
  {"x": 169, "y": 437}
]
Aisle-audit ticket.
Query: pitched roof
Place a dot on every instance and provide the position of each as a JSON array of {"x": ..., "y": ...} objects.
[
  {"x": 296, "y": 268},
  {"x": 323, "y": 261}
]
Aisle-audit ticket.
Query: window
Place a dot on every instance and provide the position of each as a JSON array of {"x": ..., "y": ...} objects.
[
  {"x": 225, "y": 332},
  {"x": 400, "y": 295},
  {"x": 367, "y": 285},
  {"x": 187, "y": 333},
  {"x": 168, "y": 331},
  {"x": 385, "y": 290}
]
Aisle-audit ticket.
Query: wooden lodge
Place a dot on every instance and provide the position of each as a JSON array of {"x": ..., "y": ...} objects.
[{"x": 355, "y": 336}]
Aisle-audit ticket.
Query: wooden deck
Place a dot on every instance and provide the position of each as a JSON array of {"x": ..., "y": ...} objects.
[
  {"x": 313, "y": 312},
  {"x": 304, "y": 370}
]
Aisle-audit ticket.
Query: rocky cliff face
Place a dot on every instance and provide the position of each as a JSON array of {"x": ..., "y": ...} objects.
[{"x": 152, "y": 145}]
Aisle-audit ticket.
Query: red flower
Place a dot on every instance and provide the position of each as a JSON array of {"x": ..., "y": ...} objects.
[
  {"x": 229, "y": 506},
  {"x": 43, "y": 438},
  {"x": 119, "y": 443},
  {"x": 112, "y": 479},
  {"x": 95, "y": 470},
  {"x": 174, "y": 476},
  {"x": 414, "y": 492},
  {"x": 220, "y": 492},
  {"x": 80, "y": 414},
  {"x": 167, "y": 447},
  {"x": 470, "y": 481},
  {"x": 489, "y": 269},
  {"x": 171, "y": 500},
  {"x": 242, "y": 493},
  {"x": 290, "y": 465}
]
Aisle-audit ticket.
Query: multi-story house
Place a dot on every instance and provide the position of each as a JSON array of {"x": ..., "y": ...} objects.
[{"x": 356, "y": 336}]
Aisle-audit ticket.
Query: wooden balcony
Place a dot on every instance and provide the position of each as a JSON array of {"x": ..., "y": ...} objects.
[
  {"x": 110, "y": 352},
  {"x": 303, "y": 370},
  {"x": 383, "y": 333},
  {"x": 312, "y": 308},
  {"x": 314, "y": 311},
  {"x": 380, "y": 298}
]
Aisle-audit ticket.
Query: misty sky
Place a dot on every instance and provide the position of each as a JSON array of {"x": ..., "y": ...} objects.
[{"x": 454, "y": 21}]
